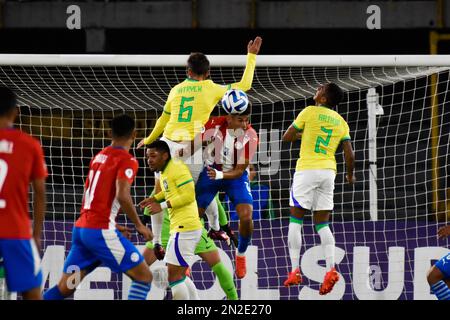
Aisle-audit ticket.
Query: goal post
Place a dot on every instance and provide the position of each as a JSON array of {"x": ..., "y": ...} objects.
[{"x": 384, "y": 225}]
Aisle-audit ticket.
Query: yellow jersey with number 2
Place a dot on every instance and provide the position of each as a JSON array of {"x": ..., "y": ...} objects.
[{"x": 323, "y": 129}]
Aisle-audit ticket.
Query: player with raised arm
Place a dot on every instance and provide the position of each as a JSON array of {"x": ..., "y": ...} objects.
[
  {"x": 439, "y": 275},
  {"x": 96, "y": 238},
  {"x": 21, "y": 163},
  {"x": 187, "y": 109},
  {"x": 178, "y": 195},
  {"x": 322, "y": 130},
  {"x": 233, "y": 144}
]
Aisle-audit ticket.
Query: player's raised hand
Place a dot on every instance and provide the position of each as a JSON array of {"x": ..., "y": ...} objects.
[
  {"x": 444, "y": 232},
  {"x": 140, "y": 144},
  {"x": 254, "y": 45},
  {"x": 145, "y": 232}
]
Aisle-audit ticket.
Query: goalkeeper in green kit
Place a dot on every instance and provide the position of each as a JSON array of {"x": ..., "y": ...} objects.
[{"x": 206, "y": 249}]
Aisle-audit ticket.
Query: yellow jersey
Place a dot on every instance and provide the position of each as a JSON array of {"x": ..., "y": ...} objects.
[
  {"x": 322, "y": 130},
  {"x": 190, "y": 104},
  {"x": 178, "y": 187}
]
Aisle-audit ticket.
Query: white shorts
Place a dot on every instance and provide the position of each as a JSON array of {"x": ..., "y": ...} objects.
[
  {"x": 194, "y": 162},
  {"x": 181, "y": 248},
  {"x": 313, "y": 190}
]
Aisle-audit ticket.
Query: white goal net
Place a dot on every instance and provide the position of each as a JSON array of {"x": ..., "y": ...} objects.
[{"x": 385, "y": 225}]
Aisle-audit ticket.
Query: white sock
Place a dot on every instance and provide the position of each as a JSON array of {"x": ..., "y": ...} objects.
[
  {"x": 212, "y": 212},
  {"x": 180, "y": 291},
  {"x": 294, "y": 243},
  {"x": 193, "y": 294},
  {"x": 157, "y": 221},
  {"x": 327, "y": 241}
]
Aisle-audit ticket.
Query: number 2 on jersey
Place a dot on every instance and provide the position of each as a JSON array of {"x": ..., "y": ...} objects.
[
  {"x": 89, "y": 194},
  {"x": 3, "y": 173},
  {"x": 185, "y": 113},
  {"x": 323, "y": 141}
]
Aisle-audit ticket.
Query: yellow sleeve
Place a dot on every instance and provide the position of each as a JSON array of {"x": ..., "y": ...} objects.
[
  {"x": 246, "y": 81},
  {"x": 158, "y": 129},
  {"x": 185, "y": 188},
  {"x": 186, "y": 194},
  {"x": 159, "y": 196},
  {"x": 299, "y": 122},
  {"x": 247, "y": 78},
  {"x": 346, "y": 135},
  {"x": 161, "y": 122}
]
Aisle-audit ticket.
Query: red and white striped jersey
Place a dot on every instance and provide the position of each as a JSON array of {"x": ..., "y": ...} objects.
[
  {"x": 100, "y": 207},
  {"x": 228, "y": 147}
]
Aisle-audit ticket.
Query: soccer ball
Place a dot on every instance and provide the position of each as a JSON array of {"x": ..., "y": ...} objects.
[{"x": 235, "y": 101}]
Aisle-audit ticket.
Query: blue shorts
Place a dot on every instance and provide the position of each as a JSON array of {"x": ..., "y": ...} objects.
[
  {"x": 238, "y": 190},
  {"x": 444, "y": 265},
  {"x": 92, "y": 247},
  {"x": 22, "y": 264}
]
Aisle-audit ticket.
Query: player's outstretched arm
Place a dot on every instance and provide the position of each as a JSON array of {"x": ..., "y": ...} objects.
[
  {"x": 349, "y": 156},
  {"x": 444, "y": 232},
  {"x": 123, "y": 196},
  {"x": 254, "y": 46},
  {"x": 39, "y": 205},
  {"x": 157, "y": 130}
]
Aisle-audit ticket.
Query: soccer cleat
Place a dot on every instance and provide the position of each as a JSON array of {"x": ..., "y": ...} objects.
[
  {"x": 331, "y": 277},
  {"x": 241, "y": 267},
  {"x": 230, "y": 234},
  {"x": 293, "y": 278},
  {"x": 159, "y": 251},
  {"x": 219, "y": 235}
]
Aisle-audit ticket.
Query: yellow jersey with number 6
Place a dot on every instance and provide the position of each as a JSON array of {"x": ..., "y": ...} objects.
[
  {"x": 323, "y": 129},
  {"x": 191, "y": 102}
]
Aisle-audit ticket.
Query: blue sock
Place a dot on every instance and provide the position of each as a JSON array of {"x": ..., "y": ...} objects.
[
  {"x": 243, "y": 243},
  {"x": 441, "y": 290},
  {"x": 53, "y": 294},
  {"x": 139, "y": 290}
]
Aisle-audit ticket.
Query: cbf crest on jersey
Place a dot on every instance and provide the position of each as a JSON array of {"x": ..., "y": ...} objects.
[{"x": 166, "y": 185}]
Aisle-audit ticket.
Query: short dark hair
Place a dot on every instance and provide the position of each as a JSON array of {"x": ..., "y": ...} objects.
[
  {"x": 8, "y": 100},
  {"x": 198, "y": 63},
  {"x": 333, "y": 93},
  {"x": 122, "y": 126},
  {"x": 160, "y": 146}
]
